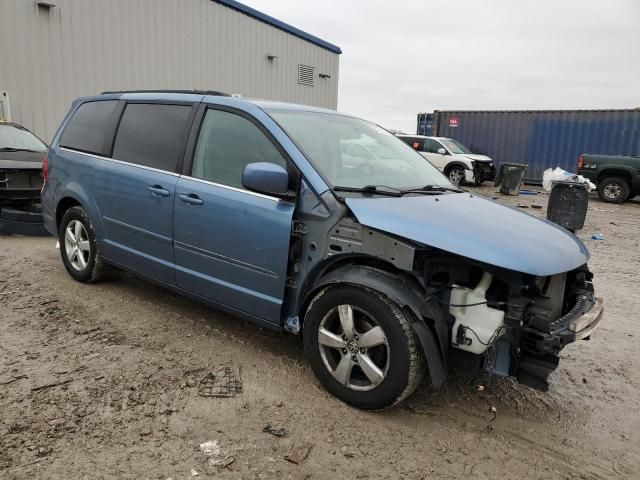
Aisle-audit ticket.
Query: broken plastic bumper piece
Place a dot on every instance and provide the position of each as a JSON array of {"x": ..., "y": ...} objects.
[{"x": 577, "y": 324}]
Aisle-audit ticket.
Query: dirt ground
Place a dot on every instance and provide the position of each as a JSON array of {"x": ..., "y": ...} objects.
[{"x": 95, "y": 383}]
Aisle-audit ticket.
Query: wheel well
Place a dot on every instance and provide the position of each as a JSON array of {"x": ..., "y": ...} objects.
[
  {"x": 63, "y": 205},
  {"x": 614, "y": 173},
  {"x": 451, "y": 166},
  {"x": 322, "y": 270}
]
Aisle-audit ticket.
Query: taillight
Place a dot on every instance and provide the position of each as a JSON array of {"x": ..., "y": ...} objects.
[
  {"x": 45, "y": 168},
  {"x": 580, "y": 162}
]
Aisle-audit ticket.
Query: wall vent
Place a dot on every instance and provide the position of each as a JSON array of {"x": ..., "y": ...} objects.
[{"x": 305, "y": 75}]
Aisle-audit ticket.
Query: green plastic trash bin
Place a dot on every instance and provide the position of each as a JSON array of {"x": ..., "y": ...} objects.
[{"x": 510, "y": 177}]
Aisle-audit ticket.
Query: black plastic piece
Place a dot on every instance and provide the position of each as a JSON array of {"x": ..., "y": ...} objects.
[
  {"x": 568, "y": 204},
  {"x": 191, "y": 92}
]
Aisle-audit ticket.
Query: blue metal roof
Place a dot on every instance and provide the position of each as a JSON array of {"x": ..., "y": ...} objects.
[{"x": 274, "y": 22}]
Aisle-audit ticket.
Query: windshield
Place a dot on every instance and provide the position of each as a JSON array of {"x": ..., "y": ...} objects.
[
  {"x": 354, "y": 153},
  {"x": 12, "y": 137},
  {"x": 454, "y": 146}
]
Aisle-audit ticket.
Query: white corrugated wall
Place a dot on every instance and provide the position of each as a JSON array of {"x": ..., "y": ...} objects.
[{"x": 83, "y": 47}]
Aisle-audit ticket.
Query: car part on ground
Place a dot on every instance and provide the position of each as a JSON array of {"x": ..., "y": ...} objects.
[{"x": 355, "y": 241}]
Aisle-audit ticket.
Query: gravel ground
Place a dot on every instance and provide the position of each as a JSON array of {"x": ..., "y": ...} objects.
[{"x": 102, "y": 381}]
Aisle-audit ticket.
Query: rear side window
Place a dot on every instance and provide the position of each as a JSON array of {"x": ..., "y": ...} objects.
[
  {"x": 228, "y": 143},
  {"x": 414, "y": 142},
  {"x": 152, "y": 135},
  {"x": 86, "y": 129}
]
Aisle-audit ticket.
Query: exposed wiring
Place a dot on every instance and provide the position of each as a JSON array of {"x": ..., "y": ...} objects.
[{"x": 486, "y": 302}]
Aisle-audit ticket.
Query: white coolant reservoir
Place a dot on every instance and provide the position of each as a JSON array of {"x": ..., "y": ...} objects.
[{"x": 482, "y": 319}]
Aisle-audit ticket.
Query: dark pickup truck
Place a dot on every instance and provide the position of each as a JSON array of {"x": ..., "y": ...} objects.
[{"x": 617, "y": 177}]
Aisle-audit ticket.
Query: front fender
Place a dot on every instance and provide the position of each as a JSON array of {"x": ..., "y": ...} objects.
[{"x": 428, "y": 321}]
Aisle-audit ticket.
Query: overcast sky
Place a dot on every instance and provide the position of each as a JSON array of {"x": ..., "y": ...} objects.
[{"x": 407, "y": 56}]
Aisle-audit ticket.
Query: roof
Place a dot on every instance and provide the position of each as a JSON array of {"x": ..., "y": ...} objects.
[
  {"x": 200, "y": 95},
  {"x": 274, "y": 22}
]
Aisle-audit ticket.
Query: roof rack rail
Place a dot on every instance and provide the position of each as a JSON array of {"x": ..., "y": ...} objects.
[{"x": 194, "y": 92}]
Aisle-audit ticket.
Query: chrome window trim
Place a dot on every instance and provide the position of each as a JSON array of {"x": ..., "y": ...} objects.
[
  {"x": 235, "y": 189},
  {"x": 122, "y": 162},
  {"x": 200, "y": 180}
]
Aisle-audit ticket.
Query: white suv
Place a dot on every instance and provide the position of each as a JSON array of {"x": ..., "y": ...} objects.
[{"x": 452, "y": 158}]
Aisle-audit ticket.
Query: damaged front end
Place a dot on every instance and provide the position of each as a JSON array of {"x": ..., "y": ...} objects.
[{"x": 509, "y": 323}]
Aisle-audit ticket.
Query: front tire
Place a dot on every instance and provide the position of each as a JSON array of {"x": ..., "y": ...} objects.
[
  {"x": 78, "y": 247},
  {"x": 456, "y": 175},
  {"x": 613, "y": 190},
  {"x": 362, "y": 347}
]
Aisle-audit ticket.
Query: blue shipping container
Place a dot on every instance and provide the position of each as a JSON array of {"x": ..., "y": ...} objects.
[{"x": 540, "y": 138}]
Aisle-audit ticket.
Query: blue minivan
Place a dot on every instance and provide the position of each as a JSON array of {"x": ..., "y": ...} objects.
[{"x": 388, "y": 270}]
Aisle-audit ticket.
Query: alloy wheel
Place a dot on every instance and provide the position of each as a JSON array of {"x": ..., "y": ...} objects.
[
  {"x": 76, "y": 245},
  {"x": 354, "y": 347},
  {"x": 456, "y": 175}
]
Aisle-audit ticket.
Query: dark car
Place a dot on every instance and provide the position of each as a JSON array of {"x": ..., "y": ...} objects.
[{"x": 21, "y": 155}]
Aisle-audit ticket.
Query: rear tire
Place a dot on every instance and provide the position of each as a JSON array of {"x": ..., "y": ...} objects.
[
  {"x": 613, "y": 190},
  {"x": 78, "y": 247},
  {"x": 375, "y": 364}
]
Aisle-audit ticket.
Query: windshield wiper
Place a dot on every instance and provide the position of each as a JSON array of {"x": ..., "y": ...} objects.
[
  {"x": 433, "y": 189},
  {"x": 372, "y": 189},
  {"x": 11, "y": 149}
]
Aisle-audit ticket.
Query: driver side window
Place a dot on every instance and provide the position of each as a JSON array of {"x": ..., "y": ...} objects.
[
  {"x": 227, "y": 144},
  {"x": 431, "y": 146}
]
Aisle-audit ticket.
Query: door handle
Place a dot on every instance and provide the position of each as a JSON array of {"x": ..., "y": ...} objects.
[
  {"x": 191, "y": 198},
  {"x": 157, "y": 190}
]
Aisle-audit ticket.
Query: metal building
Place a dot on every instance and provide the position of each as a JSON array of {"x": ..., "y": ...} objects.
[
  {"x": 539, "y": 138},
  {"x": 56, "y": 50}
]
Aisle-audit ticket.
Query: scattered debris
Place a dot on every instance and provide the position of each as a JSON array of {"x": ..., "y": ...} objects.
[
  {"x": 347, "y": 452},
  {"x": 528, "y": 192},
  {"x": 194, "y": 473},
  {"x": 597, "y": 236},
  {"x": 538, "y": 207},
  {"x": 223, "y": 462},
  {"x": 298, "y": 453},
  {"x": 51, "y": 385},
  {"x": 225, "y": 381},
  {"x": 521, "y": 205},
  {"x": 47, "y": 302},
  {"x": 279, "y": 403},
  {"x": 14, "y": 379},
  {"x": 210, "y": 448},
  {"x": 277, "y": 432},
  {"x": 494, "y": 411},
  {"x": 480, "y": 388}
]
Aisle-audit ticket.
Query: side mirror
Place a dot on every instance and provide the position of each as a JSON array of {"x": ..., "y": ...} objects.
[
  {"x": 442, "y": 151},
  {"x": 268, "y": 178}
]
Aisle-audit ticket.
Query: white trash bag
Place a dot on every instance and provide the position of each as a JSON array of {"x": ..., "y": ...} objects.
[{"x": 557, "y": 174}]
